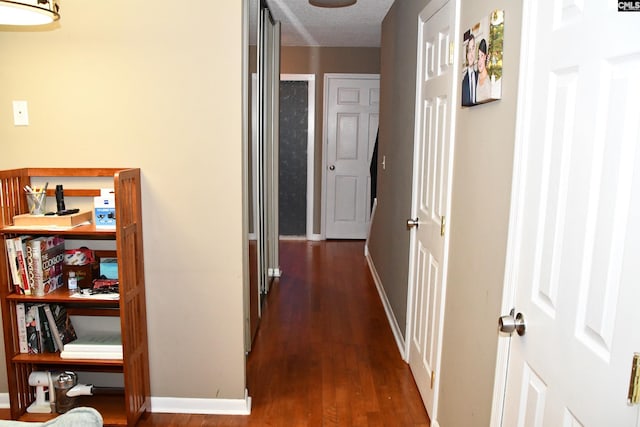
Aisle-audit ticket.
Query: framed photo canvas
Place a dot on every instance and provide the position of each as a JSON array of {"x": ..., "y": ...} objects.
[{"x": 482, "y": 47}]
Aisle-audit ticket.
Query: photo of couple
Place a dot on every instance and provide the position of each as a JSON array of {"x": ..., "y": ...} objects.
[{"x": 482, "y": 63}]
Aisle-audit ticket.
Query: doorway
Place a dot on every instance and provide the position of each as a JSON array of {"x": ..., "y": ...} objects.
[{"x": 296, "y": 155}]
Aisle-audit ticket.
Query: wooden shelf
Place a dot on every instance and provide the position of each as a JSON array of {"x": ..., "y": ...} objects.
[
  {"x": 61, "y": 296},
  {"x": 55, "y": 359},
  {"x": 127, "y": 407},
  {"x": 87, "y": 230},
  {"x": 111, "y": 407}
]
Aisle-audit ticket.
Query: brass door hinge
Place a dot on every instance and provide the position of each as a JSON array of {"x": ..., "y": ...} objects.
[
  {"x": 634, "y": 383},
  {"x": 451, "y": 52},
  {"x": 442, "y": 225},
  {"x": 433, "y": 378}
]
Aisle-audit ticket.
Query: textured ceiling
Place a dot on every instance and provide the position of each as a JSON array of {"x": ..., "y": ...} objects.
[{"x": 353, "y": 26}]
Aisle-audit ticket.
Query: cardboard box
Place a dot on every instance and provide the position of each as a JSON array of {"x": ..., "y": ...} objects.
[{"x": 105, "y": 209}]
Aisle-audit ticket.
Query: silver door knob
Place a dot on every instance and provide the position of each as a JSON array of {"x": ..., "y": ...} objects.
[
  {"x": 332, "y": 167},
  {"x": 413, "y": 223},
  {"x": 508, "y": 324}
]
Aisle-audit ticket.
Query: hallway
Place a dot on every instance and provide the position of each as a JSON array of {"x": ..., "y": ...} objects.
[{"x": 324, "y": 354}]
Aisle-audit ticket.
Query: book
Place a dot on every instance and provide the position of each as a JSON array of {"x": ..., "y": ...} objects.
[
  {"x": 45, "y": 258},
  {"x": 13, "y": 266},
  {"x": 48, "y": 343},
  {"x": 21, "y": 322},
  {"x": 38, "y": 325},
  {"x": 54, "y": 328},
  {"x": 103, "y": 355},
  {"x": 100, "y": 342},
  {"x": 60, "y": 324},
  {"x": 64, "y": 327},
  {"x": 20, "y": 246},
  {"x": 33, "y": 339}
]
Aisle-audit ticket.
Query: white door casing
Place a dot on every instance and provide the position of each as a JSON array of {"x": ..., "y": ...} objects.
[
  {"x": 574, "y": 238},
  {"x": 351, "y": 125},
  {"x": 433, "y": 155}
]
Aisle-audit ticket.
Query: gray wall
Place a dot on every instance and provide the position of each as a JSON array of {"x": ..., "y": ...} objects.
[
  {"x": 480, "y": 207},
  {"x": 389, "y": 239}
]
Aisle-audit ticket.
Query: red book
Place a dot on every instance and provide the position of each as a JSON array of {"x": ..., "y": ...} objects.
[{"x": 45, "y": 258}]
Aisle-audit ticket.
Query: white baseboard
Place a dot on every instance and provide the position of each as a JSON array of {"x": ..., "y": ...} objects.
[
  {"x": 283, "y": 237},
  {"x": 274, "y": 272},
  {"x": 316, "y": 238},
  {"x": 180, "y": 405},
  {"x": 4, "y": 401},
  {"x": 387, "y": 307}
]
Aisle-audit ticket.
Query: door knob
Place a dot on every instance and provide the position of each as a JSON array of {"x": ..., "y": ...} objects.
[
  {"x": 508, "y": 323},
  {"x": 332, "y": 167},
  {"x": 413, "y": 222}
]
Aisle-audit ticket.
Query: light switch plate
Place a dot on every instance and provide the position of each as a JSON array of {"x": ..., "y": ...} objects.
[{"x": 20, "y": 113}]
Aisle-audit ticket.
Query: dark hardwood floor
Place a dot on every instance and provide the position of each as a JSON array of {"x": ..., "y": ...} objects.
[{"x": 324, "y": 354}]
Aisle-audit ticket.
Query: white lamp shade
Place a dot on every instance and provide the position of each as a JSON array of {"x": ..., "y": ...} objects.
[
  {"x": 28, "y": 12},
  {"x": 332, "y": 3}
]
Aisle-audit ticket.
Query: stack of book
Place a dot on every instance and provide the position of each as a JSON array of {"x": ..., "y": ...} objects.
[
  {"x": 36, "y": 264},
  {"x": 100, "y": 345},
  {"x": 43, "y": 328}
]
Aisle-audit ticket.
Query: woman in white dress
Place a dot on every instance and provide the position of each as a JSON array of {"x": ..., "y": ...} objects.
[{"x": 483, "y": 88}]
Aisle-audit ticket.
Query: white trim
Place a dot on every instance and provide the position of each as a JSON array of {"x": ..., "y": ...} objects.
[
  {"x": 178, "y": 405},
  {"x": 325, "y": 108},
  {"x": 295, "y": 238},
  {"x": 316, "y": 237},
  {"x": 4, "y": 401},
  {"x": 393, "y": 322},
  {"x": 515, "y": 215},
  {"x": 274, "y": 272},
  {"x": 373, "y": 212},
  {"x": 311, "y": 133}
]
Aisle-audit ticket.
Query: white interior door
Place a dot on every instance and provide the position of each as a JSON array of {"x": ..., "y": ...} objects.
[
  {"x": 351, "y": 117},
  {"x": 431, "y": 193},
  {"x": 574, "y": 246}
]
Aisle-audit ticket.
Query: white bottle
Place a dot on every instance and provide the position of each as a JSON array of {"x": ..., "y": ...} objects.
[{"x": 72, "y": 283}]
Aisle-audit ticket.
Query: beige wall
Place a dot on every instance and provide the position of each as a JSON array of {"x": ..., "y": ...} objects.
[
  {"x": 318, "y": 61},
  {"x": 158, "y": 87},
  {"x": 479, "y": 225},
  {"x": 480, "y": 208}
]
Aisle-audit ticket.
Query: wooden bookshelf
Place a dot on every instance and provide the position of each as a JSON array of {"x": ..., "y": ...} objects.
[{"x": 120, "y": 409}]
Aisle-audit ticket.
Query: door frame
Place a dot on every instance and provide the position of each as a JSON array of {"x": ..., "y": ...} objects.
[
  {"x": 311, "y": 129},
  {"x": 425, "y": 14},
  {"x": 325, "y": 123},
  {"x": 515, "y": 209},
  {"x": 515, "y": 212}
]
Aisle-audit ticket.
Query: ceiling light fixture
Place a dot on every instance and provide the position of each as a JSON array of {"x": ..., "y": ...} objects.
[
  {"x": 332, "y": 3},
  {"x": 29, "y": 12}
]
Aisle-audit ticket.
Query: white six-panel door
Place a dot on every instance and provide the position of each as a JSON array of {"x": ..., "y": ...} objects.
[
  {"x": 573, "y": 267},
  {"x": 431, "y": 193},
  {"x": 351, "y": 117}
]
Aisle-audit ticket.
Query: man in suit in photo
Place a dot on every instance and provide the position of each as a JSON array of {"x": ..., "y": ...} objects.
[{"x": 470, "y": 79}]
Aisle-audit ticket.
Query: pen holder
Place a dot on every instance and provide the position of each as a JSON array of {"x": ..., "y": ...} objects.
[{"x": 37, "y": 203}]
